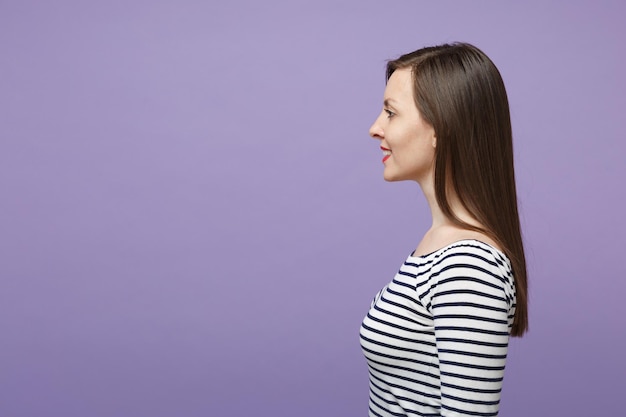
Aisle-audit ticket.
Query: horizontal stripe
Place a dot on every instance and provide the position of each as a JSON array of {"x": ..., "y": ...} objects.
[
  {"x": 472, "y": 413},
  {"x": 472, "y": 390},
  {"x": 397, "y": 358},
  {"x": 470, "y": 401},
  {"x": 474, "y": 305},
  {"x": 403, "y": 349},
  {"x": 472, "y": 342},
  {"x": 399, "y": 327},
  {"x": 466, "y": 317},
  {"x": 473, "y": 330},
  {"x": 413, "y": 382},
  {"x": 472, "y": 366},
  {"x": 471, "y": 292},
  {"x": 471, "y": 377},
  {"x": 403, "y": 387},
  {"x": 407, "y": 399}
]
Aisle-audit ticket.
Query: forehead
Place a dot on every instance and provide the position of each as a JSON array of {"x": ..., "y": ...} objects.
[{"x": 400, "y": 86}]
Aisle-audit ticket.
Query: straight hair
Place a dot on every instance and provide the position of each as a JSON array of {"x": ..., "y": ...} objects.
[{"x": 459, "y": 91}]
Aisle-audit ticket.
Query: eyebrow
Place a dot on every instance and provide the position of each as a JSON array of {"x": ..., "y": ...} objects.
[{"x": 388, "y": 101}]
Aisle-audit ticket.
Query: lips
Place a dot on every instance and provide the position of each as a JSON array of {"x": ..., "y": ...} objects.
[{"x": 386, "y": 153}]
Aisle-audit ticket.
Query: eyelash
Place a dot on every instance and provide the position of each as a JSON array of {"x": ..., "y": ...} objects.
[{"x": 390, "y": 114}]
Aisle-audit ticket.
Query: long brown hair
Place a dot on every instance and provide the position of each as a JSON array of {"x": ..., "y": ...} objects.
[{"x": 459, "y": 91}]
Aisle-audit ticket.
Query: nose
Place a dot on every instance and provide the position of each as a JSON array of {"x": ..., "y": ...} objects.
[{"x": 376, "y": 130}]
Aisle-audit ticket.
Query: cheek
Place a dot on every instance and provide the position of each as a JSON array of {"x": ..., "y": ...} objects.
[{"x": 398, "y": 137}]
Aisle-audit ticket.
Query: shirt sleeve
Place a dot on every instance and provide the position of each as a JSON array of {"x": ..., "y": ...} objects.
[{"x": 471, "y": 313}]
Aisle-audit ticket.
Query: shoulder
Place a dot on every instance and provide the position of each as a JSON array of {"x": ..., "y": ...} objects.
[
  {"x": 446, "y": 236},
  {"x": 471, "y": 266},
  {"x": 470, "y": 252}
]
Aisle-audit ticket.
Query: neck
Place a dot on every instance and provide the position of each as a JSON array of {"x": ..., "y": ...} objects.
[
  {"x": 439, "y": 219},
  {"x": 444, "y": 231}
]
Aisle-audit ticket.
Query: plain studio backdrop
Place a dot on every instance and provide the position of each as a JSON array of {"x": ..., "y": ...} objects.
[{"x": 193, "y": 220}]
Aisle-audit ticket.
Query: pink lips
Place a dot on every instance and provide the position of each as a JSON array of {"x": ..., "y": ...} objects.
[{"x": 386, "y": 156}]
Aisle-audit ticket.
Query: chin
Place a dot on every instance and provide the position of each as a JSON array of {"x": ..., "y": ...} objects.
[{"x": 391, "y": 178}]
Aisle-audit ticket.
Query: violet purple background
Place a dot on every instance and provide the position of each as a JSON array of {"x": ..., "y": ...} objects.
[{"x": 194, "y": 220}]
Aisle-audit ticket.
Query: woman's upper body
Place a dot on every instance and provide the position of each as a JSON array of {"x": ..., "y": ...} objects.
[
  {"x": 445, "y": 124},
  {"x": 436, "y": 337}
]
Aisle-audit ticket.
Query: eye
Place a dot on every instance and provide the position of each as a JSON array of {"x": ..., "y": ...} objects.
[{"x": 390, "y": 114}]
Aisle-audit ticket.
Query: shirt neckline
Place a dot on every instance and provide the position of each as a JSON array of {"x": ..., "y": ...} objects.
[{"x": 457, "y": 243}]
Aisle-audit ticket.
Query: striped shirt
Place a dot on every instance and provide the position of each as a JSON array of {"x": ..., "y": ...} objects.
[{"x": 436, "y": 337}]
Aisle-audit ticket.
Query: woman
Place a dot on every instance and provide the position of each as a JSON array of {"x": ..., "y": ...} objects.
[{"x": 436, "y": 337}]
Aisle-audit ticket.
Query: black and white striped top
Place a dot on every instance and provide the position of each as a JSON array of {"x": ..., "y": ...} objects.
[{"x": 436, "y": 337}]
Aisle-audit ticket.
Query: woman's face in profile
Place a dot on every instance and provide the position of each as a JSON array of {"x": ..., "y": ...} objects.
[{"x": 408, "y": 142}]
